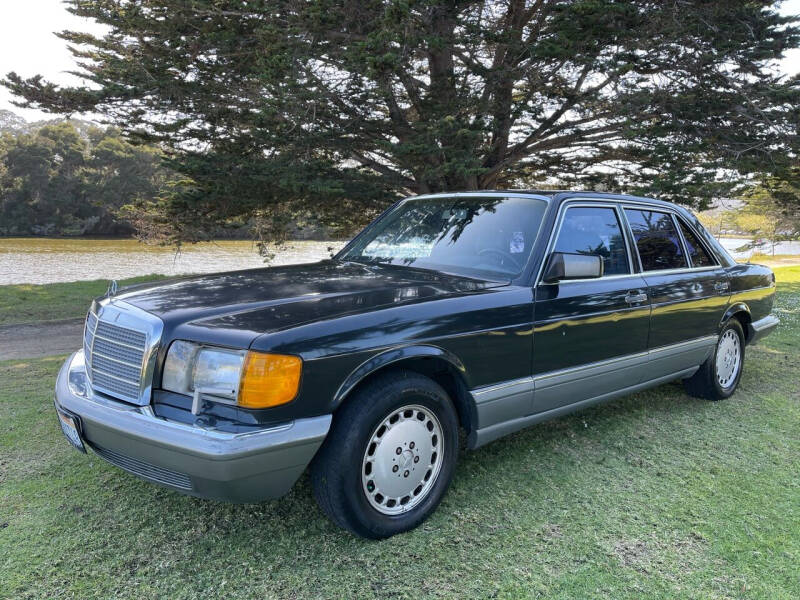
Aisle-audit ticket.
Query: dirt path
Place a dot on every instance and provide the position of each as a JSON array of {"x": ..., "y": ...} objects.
[{"x": 34, "y": 340}]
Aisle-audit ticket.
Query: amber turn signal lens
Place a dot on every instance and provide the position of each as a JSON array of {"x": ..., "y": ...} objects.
[{"x": 269, "y": 380}]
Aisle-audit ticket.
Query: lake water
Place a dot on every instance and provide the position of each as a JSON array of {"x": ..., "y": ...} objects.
[
  {"x": 39, "y": 260},
  {"x": 731, "y": 244}
]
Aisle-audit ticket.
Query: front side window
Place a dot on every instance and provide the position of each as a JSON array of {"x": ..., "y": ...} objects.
[
  {"x": 657, "y": 240},
  {"x": 489, "y": 236},
  {"x": 697, "y": 252},
  {"x": 594, "y": 230}
]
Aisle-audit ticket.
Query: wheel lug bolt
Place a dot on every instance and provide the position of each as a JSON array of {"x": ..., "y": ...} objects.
[
  {"x": 405, "y": 474},
  {"x": 399, "y": 450},
  {"x": 416, "y": 459},
  {"x": 411, "y": 445},
  {"x": 395, "y": 469}
]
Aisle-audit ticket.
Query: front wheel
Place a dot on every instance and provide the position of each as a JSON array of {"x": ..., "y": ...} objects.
[
  {"x": 389, "y": 457},
  {"x": 718, "y": 377}
]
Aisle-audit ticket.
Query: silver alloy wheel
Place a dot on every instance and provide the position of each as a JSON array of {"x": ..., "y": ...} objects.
[
  {"x": 402, "y": 460},
  {"x": 729, "y": 358}
]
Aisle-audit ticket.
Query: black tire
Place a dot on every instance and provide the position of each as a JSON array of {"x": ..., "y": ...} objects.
[
  {"x": 705, "y": 383},
  {"x": 336, "y": 472}
]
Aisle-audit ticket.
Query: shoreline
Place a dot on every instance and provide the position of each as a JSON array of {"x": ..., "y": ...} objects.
[
  {"x": 44, "y": 261},
  {"x": 125, "y": 238}
]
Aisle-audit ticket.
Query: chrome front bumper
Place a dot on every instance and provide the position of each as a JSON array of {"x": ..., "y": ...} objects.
[
  {"x": 202, "y": 462},
  {"x": 762, "y": 327}
]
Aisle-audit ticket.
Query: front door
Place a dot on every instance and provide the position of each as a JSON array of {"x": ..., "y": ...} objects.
[{"x": 590, "y": 336}]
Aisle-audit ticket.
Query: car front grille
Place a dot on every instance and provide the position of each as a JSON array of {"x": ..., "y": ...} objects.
[
  {"x": 118, "y": 342},
  {"x": 145, "y": 469}
]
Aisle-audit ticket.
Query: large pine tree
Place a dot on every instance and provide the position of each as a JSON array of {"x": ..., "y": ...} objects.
[{"x": 268, "y": 101}]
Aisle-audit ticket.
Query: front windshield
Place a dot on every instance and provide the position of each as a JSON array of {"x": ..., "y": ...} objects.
[{"x": 488, "y": 236}]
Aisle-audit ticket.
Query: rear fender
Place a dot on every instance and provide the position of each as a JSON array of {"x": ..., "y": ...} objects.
[{"x": 736, "y": 307}]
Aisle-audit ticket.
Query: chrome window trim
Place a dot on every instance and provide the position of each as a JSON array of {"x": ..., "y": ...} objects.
[
  {"x": 604, "y": 278},
  {"x": 126, "y": 315},
  {"x": 681, "y": 270},
  {"x": 584, "y": 203},
  {"x": 477, "y": 194}
]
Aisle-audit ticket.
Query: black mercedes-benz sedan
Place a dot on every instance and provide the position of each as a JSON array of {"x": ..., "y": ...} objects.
[{"x": 485, "y": 312}]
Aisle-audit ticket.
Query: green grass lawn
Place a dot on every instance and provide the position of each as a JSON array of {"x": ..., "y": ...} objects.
[
  {"x": 779, "y": 260},
  {"x": 656, "y": 495},
  {"x": 29, "y": 303}
]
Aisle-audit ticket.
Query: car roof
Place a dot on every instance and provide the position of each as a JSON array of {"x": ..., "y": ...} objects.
[{"x": 561, "y": 195}]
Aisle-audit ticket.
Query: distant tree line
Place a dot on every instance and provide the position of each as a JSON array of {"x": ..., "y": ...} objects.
[
  {"x": 73, "y": 178},
  {"x": 767, "y": 213},
  {"x": 63, "y": 180}
]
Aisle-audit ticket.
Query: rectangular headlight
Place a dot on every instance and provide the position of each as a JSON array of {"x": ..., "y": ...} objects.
[
  {"x": 176, "y": 376},
  {"x": 251, "y": 379},
  {"x": 219, "y": 370}
]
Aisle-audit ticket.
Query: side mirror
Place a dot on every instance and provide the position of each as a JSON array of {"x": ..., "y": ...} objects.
[{"x": 562, "y": 266}]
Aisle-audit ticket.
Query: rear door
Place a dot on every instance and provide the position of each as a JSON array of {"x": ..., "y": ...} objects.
[
  {"x": 688, "y": 289},
  {"x": 590, "y": 336}
]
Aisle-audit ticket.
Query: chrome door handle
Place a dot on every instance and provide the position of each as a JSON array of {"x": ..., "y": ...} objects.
[{"x": 635, "y": 297}]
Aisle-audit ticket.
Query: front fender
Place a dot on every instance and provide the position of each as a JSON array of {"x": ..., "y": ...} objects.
[{"x": 396, "y": 355}]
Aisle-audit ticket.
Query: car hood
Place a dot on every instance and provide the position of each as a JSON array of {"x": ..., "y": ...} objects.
[{"x": 235, "y": 307}]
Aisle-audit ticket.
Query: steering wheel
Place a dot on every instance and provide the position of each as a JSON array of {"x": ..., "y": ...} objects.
[{"x": 503, "y": 256}]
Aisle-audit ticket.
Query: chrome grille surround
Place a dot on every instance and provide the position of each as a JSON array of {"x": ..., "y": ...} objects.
[{"x": 120, "y": 343}]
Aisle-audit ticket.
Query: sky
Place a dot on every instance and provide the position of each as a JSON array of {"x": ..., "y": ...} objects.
[{"x": 29, "y": 46}]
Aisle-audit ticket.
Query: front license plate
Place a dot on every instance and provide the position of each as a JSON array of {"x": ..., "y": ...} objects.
[{"x": 71, "y": 429}]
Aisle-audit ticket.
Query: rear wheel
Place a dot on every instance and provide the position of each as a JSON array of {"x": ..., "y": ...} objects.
[
  {"x": 389, "y": 457},
  {"x": 719, "y": 376}
]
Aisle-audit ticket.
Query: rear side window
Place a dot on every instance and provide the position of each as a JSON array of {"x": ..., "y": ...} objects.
[
  {"x": 590, "y": 230},
  {"x": 697, "y": 252},
  {"x": 656, "y": 239}
]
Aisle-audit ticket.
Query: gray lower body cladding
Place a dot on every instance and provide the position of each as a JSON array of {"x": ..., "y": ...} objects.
[{"x": 513, "y": 406}]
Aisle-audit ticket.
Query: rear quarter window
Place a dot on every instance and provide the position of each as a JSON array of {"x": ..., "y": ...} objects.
[{"x": 697, "y": 252}]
